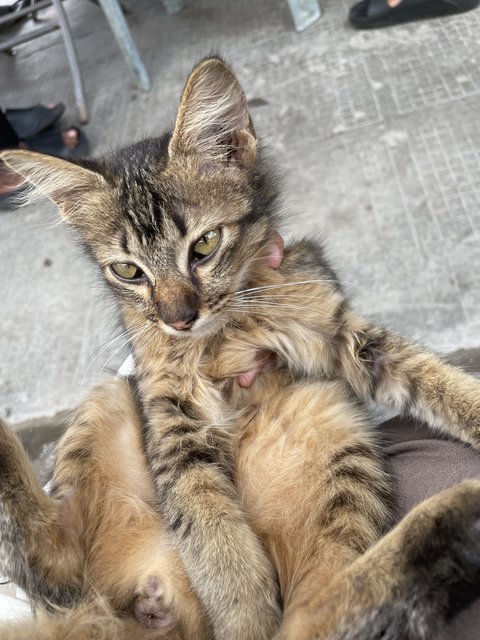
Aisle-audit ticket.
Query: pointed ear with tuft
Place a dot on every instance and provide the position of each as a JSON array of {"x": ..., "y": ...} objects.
[
  {"x": 213, "y": 120},
  {"x": 64, "y": 182}
]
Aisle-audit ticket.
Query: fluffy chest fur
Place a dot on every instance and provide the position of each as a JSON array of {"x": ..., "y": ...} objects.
[{"x": 288, "y": 311}]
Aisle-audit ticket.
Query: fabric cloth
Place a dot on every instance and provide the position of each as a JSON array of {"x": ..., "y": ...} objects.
[{"x": 424, "y": 464}]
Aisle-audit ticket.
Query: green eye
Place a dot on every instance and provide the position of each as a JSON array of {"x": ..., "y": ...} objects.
[
  {"x": 126, "y": 271},
  {"x": 207, "y": 244}
]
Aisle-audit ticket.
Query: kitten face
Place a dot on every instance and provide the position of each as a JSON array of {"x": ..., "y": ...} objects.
[
  {"x": 160, "y": 214},
  {"x": 176, "y": 223}
]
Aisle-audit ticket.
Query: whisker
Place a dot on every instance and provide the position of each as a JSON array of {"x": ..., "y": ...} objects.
[
  {"x": 273, "y": 296},
  {"x": 270, "y": 305},
  {"x": 103, "y": 348},
  {"x": 286, "y": 284},
  {"x": 256, "y": 311},
  {"x": 264, "y": 258},
  {"x": 124, "y": 344},
  {"x": 139, "y": 333},
  {"x": 108, "y": 345}
]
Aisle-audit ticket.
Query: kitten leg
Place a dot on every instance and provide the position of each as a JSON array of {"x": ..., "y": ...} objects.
[
  {"x": 39, "y": 546},
  {"x": 386, "y": 368},
  {"x": 225, "y": 560},
  {"x": 129, "y": 557},
  {"x": 378, "y": 364},
  {"x": 409, "y": 583}
]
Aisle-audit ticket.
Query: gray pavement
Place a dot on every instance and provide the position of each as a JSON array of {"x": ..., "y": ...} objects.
[{"x": 377, "y": 134}]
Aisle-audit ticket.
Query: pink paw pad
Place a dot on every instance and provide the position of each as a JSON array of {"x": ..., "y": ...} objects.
[{"x": 150, "y": 608}]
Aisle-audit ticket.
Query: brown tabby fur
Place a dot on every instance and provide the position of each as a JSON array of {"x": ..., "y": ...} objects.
[{"x": 168, "y": 536}]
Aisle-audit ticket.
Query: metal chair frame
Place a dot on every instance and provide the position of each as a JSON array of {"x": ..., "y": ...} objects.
[
  {"x": 61, "y": 23},
  {"x": 304, "y": 14}
]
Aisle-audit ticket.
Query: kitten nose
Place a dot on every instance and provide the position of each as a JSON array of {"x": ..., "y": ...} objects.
[{"x": 185, "y": 323}]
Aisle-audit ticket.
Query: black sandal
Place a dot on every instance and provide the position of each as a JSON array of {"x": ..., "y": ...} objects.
[
  {"x": 51, "y": 143},
  {"x": 371, "y": 14},
  {"x": 30, "y": 121}
]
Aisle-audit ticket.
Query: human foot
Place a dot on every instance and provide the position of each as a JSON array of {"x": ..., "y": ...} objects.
[
  {"x": 30, "y": 121},
  {"x": 65, "y": 143}
]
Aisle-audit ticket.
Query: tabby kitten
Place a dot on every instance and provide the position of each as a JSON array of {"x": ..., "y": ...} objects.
[{"x": 181, "y": 227}]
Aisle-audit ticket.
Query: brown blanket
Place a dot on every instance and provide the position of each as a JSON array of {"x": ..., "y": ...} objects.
[{"x": 422, "y": 465}]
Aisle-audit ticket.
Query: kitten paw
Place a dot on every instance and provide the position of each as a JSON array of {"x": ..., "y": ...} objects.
[{"x": 150, "y": 606}]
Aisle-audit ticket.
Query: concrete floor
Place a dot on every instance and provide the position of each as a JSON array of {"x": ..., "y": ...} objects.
[{"x": 378, "y": 135}]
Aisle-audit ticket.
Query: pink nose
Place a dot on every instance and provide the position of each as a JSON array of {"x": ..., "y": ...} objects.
[{"x": 184, "y": 325}]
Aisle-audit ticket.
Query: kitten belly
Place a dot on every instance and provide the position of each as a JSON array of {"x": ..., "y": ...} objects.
[{"x": 293, "y": 498}]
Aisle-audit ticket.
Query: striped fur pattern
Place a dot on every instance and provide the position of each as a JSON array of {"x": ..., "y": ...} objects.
[
  {"x": 100, "y": 517},
  {"x": 289, "y": 467},
  {"x": 321, "y": 529}
]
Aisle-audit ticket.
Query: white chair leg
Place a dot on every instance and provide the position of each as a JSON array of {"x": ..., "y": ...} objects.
[
  {"x": 73, "y": 62},
  {"x": 173, "y": 6},
  {"x": 304, "y": 13},
  {"x": 121, "y": 31}
]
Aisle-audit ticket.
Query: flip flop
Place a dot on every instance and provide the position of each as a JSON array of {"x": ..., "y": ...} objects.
[
  {"x": 51, "y": 143},
  {"x": 371, "y": 14},
  {"x": 28, "y": 122}
]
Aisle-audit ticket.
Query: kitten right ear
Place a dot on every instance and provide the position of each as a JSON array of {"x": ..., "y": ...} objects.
[
  {"x": 213, "y": 119},
  {"x": 62, "y": 181}
]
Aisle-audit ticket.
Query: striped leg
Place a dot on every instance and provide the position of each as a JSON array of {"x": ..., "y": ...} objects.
[
  {"x": 225, "y": 560},
  {"x": 39, "y": 549}
]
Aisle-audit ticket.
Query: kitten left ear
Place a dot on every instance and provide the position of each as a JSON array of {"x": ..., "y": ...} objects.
[
  {"x": 62, "y": 181},
  {"x": 213, "y": 119}
]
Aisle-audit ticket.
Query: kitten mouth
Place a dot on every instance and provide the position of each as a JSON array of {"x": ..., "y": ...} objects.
[
  {"x": 171, "y": 331},
  {"x": 202, "y": 327}
]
